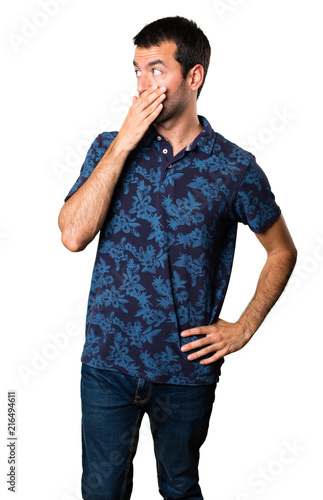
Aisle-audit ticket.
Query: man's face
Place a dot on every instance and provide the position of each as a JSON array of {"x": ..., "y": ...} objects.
[{"x": 158, "y": 66}]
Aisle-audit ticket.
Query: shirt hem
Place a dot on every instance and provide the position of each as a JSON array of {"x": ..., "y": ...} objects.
[{"x": 162, "y": 379}]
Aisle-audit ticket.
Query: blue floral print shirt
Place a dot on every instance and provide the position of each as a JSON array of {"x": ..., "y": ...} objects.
[{"x": 166, "y": 249}]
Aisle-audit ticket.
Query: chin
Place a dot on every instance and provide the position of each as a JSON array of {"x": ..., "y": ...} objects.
[
  {"x": 158, "y": 120},
  {"x": 164, "y": 116}
]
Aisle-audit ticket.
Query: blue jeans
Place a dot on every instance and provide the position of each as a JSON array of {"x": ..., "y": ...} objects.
[{"x": 113, "y": 405}]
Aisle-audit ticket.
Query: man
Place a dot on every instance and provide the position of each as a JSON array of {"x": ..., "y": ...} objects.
[{"x": 166, "y": 192}]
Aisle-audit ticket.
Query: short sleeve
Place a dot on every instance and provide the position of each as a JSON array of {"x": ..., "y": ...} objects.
[
  {"x": 94, "y": 155},
  {"x": 254, "y": 203}
]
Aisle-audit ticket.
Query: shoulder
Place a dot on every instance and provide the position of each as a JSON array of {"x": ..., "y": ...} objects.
[
  {"x": 231, "y": 151},
  {"x": 104, "y": 139},
  {"x": 221, "y": 147},
  {"x": 98, "y": 147}
]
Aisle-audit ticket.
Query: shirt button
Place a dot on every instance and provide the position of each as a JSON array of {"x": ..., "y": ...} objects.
[
  {"x": 169, "y": 166},
  {"x": 158, "y": 138},
  {"x": 165, "y": 151}
]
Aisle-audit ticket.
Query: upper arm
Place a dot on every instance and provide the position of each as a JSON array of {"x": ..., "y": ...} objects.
[
  {"x": 93, "y": 156},
  {"x": 277, "y": 238}
]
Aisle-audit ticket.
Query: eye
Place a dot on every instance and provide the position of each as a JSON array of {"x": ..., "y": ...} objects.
[
  {"x": 137, "y": 72},
  {"x": 157, "y": 71}
]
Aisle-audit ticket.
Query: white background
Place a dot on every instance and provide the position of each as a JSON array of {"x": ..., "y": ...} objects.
[{"x": 63, "y": 83}]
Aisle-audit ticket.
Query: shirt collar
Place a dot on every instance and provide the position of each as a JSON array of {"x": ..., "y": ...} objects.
[{"x": 203, "y": 142}]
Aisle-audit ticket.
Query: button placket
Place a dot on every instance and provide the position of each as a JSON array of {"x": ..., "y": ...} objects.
[{"x": 166, "y": 155}]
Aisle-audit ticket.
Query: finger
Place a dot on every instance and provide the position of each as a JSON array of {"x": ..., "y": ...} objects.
[
  {"x": 150, "y": 109},
  {"x": 201, "y": 352},
  {"x": 153, "y": 96},
  {"x": 199, "y": 330},
  {"x": 152, "y": 116},
  {"x": 212, "y": 359},
  {"x": 194, "y": 345},
  {"x": 134, "y": 99},
  {"x": 149, "y": 96},
  {"x": 150, "y": 113}
]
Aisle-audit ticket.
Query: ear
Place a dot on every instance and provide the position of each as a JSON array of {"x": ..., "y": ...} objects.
[{"x": 196, "y": 76}]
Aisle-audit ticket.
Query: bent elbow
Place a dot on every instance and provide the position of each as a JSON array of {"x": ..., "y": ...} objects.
[
  {"x": 290, "y": 259},
  {"x": 293, "y": 256},
  {"x": 72, "y": 244}
]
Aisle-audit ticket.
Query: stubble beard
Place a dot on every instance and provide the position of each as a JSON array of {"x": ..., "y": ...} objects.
[{"x": 173, "y": 107}]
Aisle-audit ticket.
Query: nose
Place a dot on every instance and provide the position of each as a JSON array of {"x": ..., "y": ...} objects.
[{"x": 143, "y": 83}]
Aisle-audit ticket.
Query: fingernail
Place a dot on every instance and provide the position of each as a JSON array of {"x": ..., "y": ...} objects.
[
  {"x": 162, "y": 89},
  {"x": 190, "y": 356},
  {"x": 183, "y": 348},
  {"x": 155, "y": 87}
]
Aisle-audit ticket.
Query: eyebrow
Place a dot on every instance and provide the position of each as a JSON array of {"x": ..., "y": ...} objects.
[{"x": 152, "y": 63}]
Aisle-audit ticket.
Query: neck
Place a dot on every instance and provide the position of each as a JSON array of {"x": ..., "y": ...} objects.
[{"x": 180, "y": 131}]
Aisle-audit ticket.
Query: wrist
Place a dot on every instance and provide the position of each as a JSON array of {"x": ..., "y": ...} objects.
[
  {"x": 244, "y": 326},
  {"x": 118, "y": 149}
]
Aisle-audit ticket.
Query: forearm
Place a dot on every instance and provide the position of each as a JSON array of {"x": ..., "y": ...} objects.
[
  {"x": 222, "y": 337},
  {"x": 272, "y": 281},
  {"x": 83, "y": 215}
]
